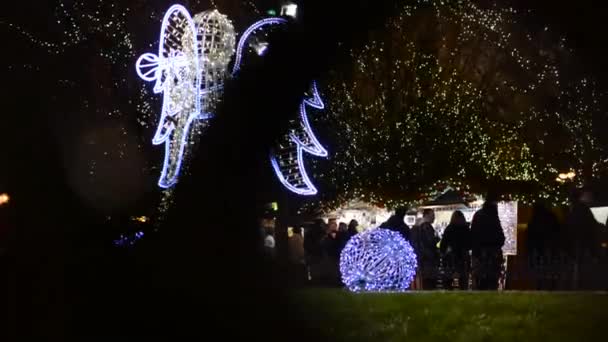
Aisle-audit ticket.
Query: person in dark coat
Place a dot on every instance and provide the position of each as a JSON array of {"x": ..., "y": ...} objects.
[
  {"x": 396, "y": 223},
  {"x": 543, "y": 251},
  {"x": 583, "y": 232},
  {"x": 314, "y": 250},
  {"x": 343, "y": 236},
  {"x": 331, "y": 246},
  {"x": 297, "y": 258},
  {"x": 424, "y": 240},
  {"x": 454, "y": 247},
  {"x": 330, "y": 242},
  {"x": 543, "y": 230},
  {"x": 352, "y": 228},
  {"x": 487, "y": 239},
  {"x": 583, "y": 242}
]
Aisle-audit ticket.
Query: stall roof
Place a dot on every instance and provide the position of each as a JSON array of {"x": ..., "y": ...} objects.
[{"x": 449, "y": 197}]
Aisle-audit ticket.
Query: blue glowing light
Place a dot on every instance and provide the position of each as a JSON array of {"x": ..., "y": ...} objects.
[
  {"x": 314, "y": 147},
  {"x": 308, "y": 189},
  {"x": 128, "y": 240},
  {"x": 176, "y": 73},
  {"x": 179, "y": 143},
  {"x": 301, "y": 138},
  {"x": 378, "y": 260},
  {"x": 244, "y": 38}
]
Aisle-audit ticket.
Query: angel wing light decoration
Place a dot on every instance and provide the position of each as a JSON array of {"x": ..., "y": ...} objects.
[
  {"x": 287, "y": 157},
  {"x": 189, "y": 70},
  {"x": 216, "y": 40},
  {"x": 176, "y": 73}
]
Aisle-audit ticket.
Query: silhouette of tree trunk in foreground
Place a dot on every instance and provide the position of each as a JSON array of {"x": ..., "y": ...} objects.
[{"x": 203, "y": 276}]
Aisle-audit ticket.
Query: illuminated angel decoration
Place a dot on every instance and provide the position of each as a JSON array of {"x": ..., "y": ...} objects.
[
  {"x": 189, "y": 70},
  {"x": 216, "y": 39},
  {"x": 287, "y": 157}
]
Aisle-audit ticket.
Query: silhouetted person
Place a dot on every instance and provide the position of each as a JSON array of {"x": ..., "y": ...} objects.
[
  {"x": 543, "y": 230},
  {"x": 313, "y": 249},
  {"x": 269, "y": 244},
  {"x": 331, "y": 256},
  {"x": 331, "y": 243},
  {"x": 582, "y": 229},
  {"x": 487, "y": 239},
  {"x": 297, "y": 257},
  {"x": 424, "y": 240},
  {"x": 455, "y": 246},
  {"x": 583, "y": 241},
  {"x": 396, "y": 223},
  {"x": 604, "y": 238},
  {"x": 352, "y": 228},
  {"x": 543, "y": 249},
  {"x": 343, "y": 236},
  {"x": 266, "y": 236}
]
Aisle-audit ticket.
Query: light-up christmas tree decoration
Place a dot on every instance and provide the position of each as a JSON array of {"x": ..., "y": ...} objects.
[{"x": 378, "y": 260}]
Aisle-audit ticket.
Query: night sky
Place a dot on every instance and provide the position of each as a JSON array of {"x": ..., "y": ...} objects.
[{"x": 583, "y": 24}]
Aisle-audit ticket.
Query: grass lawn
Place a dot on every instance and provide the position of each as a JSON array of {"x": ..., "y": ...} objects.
[{"x": 456, "y": 316}]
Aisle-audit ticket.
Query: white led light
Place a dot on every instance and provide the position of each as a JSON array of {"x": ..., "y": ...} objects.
[
  {"x": 189, "y": 70},
  {"x": 290, "y": 10},
  {"x": 378, "y": 260}
]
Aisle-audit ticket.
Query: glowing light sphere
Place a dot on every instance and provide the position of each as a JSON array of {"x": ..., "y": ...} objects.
[
  {"x": 378, "y": 260},
  {"x": 4, "y": 199}
]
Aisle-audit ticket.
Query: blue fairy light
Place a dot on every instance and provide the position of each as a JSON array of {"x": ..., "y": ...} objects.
[{"x": 128, "y": 240}]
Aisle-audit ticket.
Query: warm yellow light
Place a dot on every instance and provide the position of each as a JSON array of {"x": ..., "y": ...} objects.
[
  {"x": 571, "y": 174},
  {"x": 563, "y": 176},
  {"x": 4, "y": 198},
  {"x": 142, "y": 219}
]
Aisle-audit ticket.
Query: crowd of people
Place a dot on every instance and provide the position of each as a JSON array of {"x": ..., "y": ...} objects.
[
  {"x": 461, "y": 251},
  {"x": 570, "y": 254},
  {"x": 466, "y": 256}
]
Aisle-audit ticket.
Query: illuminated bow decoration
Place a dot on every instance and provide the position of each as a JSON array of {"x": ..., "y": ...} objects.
[{"x": 150, "y": 67}]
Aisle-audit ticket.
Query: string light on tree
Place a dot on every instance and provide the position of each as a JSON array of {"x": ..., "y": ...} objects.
[{"x": 476, "y": 98}]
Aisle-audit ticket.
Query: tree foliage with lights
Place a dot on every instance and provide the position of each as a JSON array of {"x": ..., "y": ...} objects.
[{"x": 450, "y": 91}]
